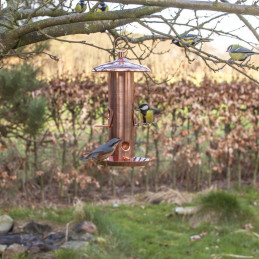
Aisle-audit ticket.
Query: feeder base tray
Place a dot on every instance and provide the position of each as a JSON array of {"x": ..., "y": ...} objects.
[{"x": 134, "y": 161}]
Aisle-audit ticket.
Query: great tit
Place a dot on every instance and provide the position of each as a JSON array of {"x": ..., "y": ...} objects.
[
  {"x": 190, "y": 39},
  {"x": 102, "y": 7},
  {"x": 104, "y": 151},
  {"x": 80, "y": 7},
  {"x": 239, "y": 53},
  {"x": 147, "y": 113}
]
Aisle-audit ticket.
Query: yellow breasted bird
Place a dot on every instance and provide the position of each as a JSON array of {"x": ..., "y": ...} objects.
[
  {"x": 239, "y": 53},
  {"x": 147, "y": 113},
  {"x": 104, "y": 151},
  {"x": 189, "y": 39},
  {"x": 80, "y": 7},
  {"x": 102, "y": 7}
]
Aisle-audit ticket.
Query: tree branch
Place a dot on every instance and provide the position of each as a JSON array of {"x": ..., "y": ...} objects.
[
  {"x": 24, "y": 14},
  {"x": 196, "y": 5},
  {"x": 75, "y": 18},
  {"x": 69, "y": 29}
]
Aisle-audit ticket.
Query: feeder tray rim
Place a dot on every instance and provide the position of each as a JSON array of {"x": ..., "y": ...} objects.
[{"x": 132, "y": 162}]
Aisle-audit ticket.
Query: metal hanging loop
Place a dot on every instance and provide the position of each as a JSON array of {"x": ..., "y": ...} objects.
[{"x": 121, "y": 54}]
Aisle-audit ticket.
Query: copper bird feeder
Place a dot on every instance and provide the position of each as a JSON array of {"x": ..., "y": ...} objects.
[{"x": 121, "y": 110}]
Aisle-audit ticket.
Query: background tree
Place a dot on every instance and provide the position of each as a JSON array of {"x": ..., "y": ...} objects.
[{"x": 26, "y": 22}]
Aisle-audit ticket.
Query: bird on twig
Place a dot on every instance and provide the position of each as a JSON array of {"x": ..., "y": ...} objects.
[
  {"x": 80, "y": 7},
  {"x": 189, "y": 39},
  {"x": 102, "y": 7},
  {"x": 239, "y": 53}
]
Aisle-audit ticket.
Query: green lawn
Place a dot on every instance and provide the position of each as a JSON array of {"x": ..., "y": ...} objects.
[{"x": 153, "y": 231}]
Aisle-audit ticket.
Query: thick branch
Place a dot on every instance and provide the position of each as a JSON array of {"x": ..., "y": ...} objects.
[
  {"x": 24, "y": 14},
  {"x": 75, "y": 18},
  {"x": 196, "y": 5},
  {"x": 69, "y": 29}
]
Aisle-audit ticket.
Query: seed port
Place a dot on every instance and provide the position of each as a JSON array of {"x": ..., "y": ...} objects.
[{"x": 125, "y": 146}]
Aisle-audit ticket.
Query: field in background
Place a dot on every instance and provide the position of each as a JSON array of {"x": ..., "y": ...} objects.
[{"x": 78, "y": 58}]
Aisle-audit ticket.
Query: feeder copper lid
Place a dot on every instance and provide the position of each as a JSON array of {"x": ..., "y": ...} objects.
[{"x": 121, "y": 64}]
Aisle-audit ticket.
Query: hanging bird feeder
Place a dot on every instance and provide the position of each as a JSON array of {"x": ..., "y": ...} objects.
[{"x": 121, "y": 110}]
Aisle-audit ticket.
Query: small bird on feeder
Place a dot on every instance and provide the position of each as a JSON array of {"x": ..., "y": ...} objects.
[
  {"x": 80, "y": 7},
  {"x": 102, "y": 7},
  {"x": 104, "y": 151},
  {"x": 189, "y": 39},
  {"x": 239, "y": 53},
  {"x": 147, "y": 113}
]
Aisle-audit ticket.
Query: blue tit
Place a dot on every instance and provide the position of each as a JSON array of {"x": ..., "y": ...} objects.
[
  {"x": 102, "y": 7},
  {"x": 147, "y": 113},
  {"x": 80, "y": 7},
  {"x": 190, "y": 39},
  {"x": 104, "y": 151},
  {"x": 239, "y": 53}
]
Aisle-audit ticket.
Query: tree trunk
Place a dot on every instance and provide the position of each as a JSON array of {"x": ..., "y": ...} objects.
[
  {"x": 239, "y": 176},
  {"x": 228, "y": 171},
  {"x": 156, "y": 140},
  {"x": 26, "y": 168},
  {"x": 256, "y": 168},
  {"x": 132, "y": 185},
  {"x": 63, "y": 164},
  {"x": 147, "y": 149}
]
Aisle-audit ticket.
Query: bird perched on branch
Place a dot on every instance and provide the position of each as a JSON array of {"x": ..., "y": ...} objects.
[
  {"x": 104, "y": 151},
  {"x": 147, "y": 113},
  {"x": 239, "y": 53},
  {"x": 80, "y": 7},
  {"x": 102, "y": 7},
  {"x": 189, "y": 39}
]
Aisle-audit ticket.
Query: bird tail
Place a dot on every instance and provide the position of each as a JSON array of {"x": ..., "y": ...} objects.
[{"x": 206, "y": 40}]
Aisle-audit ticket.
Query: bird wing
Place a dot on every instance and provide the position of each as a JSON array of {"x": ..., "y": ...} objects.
[
  {"x": 100, "y": 150},
  {"x": 95, "y": 154},
  {"x": 189, "y": 36},
  {"x": 156, "y": 111},
  {"x": 242, "y": 50}
]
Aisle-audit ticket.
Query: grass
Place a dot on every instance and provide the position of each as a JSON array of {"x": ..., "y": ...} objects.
[
  {"x": 153, "y": 232},
  {"x": 224, "y": 207}
]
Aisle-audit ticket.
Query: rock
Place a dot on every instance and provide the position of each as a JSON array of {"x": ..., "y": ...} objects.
[
  {"x": 6, "y": 224},
  {"x": 36, "y": 228},
  {"x": 186, "y": 211},
  {"x": 54, "y": 240},
  {"x": 84, "y": 227},
  {"x": 22, "y": 239},
  {"x": 34, "y": 250},
  {"x": 195, "y": 238},
  {"x": 2, "y": 248},
  {"x": 82, "y": 236},
  {"x": 75, "y": 245},
  {"x": 14, "y": 250}
]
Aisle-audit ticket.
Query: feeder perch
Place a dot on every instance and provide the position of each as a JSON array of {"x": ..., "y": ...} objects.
[{"x": 121, "y": 110}]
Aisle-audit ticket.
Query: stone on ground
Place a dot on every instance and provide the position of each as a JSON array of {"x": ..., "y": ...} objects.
[
  {"x": 14, "y": 250},
  {"x": 2, "y": 248},
  {"x": 84, "y": 227},
  {"x": 75, "y": 245},
  {"x": 6, "y": 224},
  {"x": 36, "y": 228}
]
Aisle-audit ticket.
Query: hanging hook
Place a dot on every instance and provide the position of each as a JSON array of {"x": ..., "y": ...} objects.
[{"x": 124, "y": 53}]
